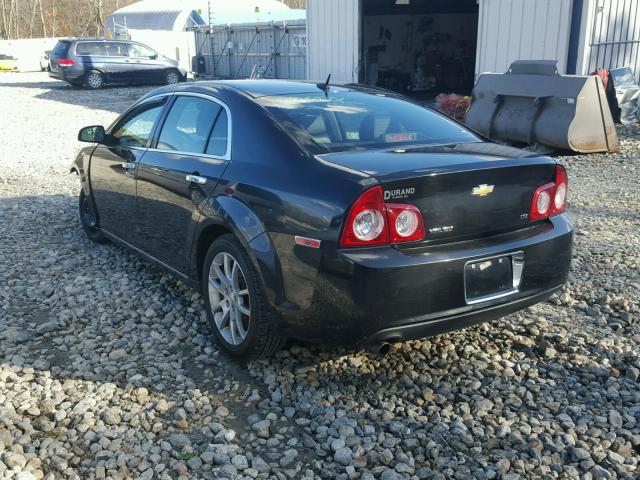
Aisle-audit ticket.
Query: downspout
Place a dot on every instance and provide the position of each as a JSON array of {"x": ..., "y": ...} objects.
[{"x": 574, "y": 37}]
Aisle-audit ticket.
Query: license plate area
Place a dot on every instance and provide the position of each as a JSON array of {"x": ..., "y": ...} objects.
[{"x": 493, "y": 277}]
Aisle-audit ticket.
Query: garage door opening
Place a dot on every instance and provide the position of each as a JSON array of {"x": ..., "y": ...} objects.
[{"x": 419, "y": 47}]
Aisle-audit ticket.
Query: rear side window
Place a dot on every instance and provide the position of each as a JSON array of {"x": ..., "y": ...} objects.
[
  {"x": 91, "y": 48},
  {"x": 117, "y": 49},
  {"x": 134, "y": 130},
  {"x": 189, "y": 125},
  {"x": 60, "y": 50},
  {"x": 219, "y": 140}
]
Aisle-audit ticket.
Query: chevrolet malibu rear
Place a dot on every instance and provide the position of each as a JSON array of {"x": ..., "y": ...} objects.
[
  {"x": 331, "y": 214},
  {"x": 453, "y": 230}
]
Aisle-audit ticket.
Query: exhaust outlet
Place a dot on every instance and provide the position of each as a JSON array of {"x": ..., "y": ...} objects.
[{"x": 381, "y": 348}]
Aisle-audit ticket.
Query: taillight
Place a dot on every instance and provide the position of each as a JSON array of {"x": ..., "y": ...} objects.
[
  {"x": 562, "y": 190},
  {"x": 405, "y": 222},
  {"x": 66, "y": 62},
  {"x": 550, "y": 199},
  {"x": 366, "y": 221},
  {"x": 372, "y": 222}
]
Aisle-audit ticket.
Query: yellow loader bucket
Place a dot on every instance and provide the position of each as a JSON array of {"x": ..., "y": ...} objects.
[{"x": 533, "y": 104}]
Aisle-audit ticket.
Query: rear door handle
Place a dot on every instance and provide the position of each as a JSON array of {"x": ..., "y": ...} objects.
[
  {"x": 196, "y": 179},
  {"x": 128, "y": 165}
]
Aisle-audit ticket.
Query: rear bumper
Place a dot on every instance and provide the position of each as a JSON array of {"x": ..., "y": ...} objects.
[
  {"x": 70, "y": 74},
  {"x": 387, "y": 294},
  {"x": 452, "y": 320}
]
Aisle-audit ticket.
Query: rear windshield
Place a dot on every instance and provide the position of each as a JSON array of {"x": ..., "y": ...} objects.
[
  {"x": 346, "y": 120},
  {"x": 60, "y": 50}
]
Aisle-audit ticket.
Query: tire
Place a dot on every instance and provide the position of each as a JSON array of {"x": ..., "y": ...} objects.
[
  {"x": 94, "y": 80},
  {"x": 172, "y": 77},
  {"x": 88, "y": 220},
  {"x": 256, "y": 336}
]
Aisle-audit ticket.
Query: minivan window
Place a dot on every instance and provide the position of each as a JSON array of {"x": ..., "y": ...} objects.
[
  {"x": 345, "y": 120},
  {"x": 137, "y": 50},
  {"x": 188, "y": 125},
  {"x": 117, "y": 49},
  {"x": 134, "y": 130},
  {"x": 91, "y": 48}
]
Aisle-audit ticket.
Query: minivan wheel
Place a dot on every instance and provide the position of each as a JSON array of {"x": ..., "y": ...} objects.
[
  {"x": 94, "y": 80},
  {"x": 89, "y": 221},
  {"x": 236, "y": 306},
  {"x": 172, "y": 77}
]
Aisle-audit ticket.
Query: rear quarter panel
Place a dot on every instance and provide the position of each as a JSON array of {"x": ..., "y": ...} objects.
[{"x": 288, "y": 192}]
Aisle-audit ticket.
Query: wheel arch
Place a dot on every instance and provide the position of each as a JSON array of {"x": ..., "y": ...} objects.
[{"x": 227, "y": 215}]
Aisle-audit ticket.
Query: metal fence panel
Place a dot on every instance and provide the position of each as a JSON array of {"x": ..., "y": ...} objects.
[
  {"x": 615, "y": 36},
  {"x": 265, "y": 50}
]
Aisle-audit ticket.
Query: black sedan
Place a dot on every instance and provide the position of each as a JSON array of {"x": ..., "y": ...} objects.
[{"x": 336, "y": 214}]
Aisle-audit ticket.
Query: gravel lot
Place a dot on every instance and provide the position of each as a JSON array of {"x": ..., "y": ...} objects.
[{"x": 107, "y": 369}]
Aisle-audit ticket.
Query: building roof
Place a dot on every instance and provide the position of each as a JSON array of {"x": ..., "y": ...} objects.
[{"x": 177, "y": 15}]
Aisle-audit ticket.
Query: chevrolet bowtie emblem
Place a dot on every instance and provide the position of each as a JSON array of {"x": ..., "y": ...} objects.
[{"x": 482, "y": 190}]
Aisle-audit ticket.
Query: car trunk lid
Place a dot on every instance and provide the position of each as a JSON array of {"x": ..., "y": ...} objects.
[{"x": 463, "y": 191}]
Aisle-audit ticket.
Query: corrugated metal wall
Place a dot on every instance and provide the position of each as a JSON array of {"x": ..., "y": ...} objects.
[
  {"x": 511, "y": 30},
  {"x": 612, "y": 38},
  {"x": 333, "y": 28},
  {"x": 266, "y": 50}
]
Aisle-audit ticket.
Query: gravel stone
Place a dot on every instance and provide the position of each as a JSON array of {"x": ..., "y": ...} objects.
[
  {"x": 343, "y": 456},
  {"x": 179, "y": 441}
]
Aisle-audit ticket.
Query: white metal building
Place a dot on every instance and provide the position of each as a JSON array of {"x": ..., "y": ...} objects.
[{"x": 442, "y": 45}]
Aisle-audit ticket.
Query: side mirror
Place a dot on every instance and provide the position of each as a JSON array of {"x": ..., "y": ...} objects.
[
  {"x": 154, "y": 56},
  {"x": 93, "y": 134}
]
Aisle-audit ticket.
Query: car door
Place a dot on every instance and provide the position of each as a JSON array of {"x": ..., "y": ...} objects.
[
  {"x": 92, "y": 55},
  {"x": 145, "y": 64},
  {"x": 118, "y": 67},
  {"x": 176, "y": 177},
  {"x": 114, "y": 165}
]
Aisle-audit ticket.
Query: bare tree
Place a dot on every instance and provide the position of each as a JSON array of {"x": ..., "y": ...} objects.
[
  {"x": 41, "y": 18},
  {"x": 64, "y": 18}
]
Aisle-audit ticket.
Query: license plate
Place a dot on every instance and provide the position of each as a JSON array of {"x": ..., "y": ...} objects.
[{"x": 492, "y": 278}]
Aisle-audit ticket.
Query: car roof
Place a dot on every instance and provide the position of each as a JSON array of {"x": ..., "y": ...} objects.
[
  {"x": 95, "y": 39},
  {"x": 267, "y": 87}
]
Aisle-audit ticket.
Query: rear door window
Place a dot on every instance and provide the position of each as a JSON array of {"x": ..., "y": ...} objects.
[
  {"x": 117, "y": 49},
  {"x": 91, "y": 48},
  {"x": 189, "y": 125}
]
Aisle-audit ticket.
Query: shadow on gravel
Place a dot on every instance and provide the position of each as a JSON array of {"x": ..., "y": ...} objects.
[{"x": 111, "y": 98}]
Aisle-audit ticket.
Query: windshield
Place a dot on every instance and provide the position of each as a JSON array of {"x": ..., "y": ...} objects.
[{"x": 346, "y": 120}]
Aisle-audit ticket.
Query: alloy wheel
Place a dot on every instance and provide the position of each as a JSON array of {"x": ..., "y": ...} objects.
[
  {"x": 172, "y": 78},
  {"x": 229, "y": 298},
  {"x": 94, "y": 80}
]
